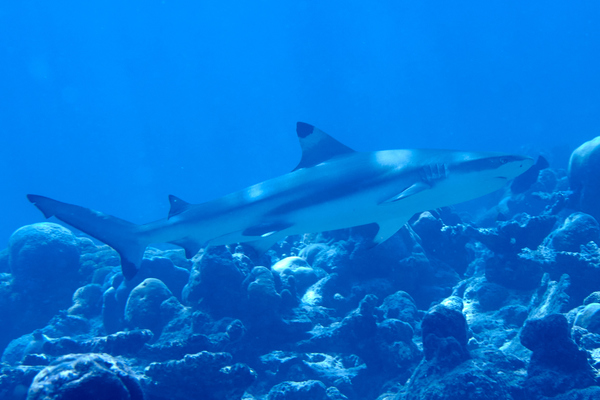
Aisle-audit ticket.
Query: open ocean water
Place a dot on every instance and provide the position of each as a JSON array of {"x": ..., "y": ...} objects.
[{"x": 117, "y": 105}]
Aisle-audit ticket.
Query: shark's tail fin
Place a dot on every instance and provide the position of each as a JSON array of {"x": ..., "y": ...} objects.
[{"x": 121, "y": 235}]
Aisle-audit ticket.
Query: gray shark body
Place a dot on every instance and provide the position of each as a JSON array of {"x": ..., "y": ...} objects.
[{"x": 332, "y": 187}]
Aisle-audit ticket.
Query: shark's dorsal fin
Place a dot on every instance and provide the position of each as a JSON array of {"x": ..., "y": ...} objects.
[
  {"x": 177, "y": 206},
  {"x": 317, "y": 146}
]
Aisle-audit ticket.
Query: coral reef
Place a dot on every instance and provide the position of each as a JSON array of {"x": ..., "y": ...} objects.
[{"x": 504, "y": 305}]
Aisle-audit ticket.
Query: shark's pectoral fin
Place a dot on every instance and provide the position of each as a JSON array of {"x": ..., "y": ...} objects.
[
  {"x": 267, "y": 229},
  {"x": 387, "y": 229},
  {"x": 190, "y": 246},
  {"x": 317, "y": 146},
  {"x": 177, "y": 206},
  {"x": 430, "y": 174},
  {"x": 409, "y": 191}
]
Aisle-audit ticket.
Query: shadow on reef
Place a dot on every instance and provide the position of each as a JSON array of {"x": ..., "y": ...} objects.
[{"x": 503, "y": 305}]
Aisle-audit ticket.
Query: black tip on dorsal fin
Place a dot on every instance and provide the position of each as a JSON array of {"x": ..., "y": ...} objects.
[
  {"x": 177, "y": 205},
  {"x": 303, "y": 129},
  {"x": 317, "y": 146}
]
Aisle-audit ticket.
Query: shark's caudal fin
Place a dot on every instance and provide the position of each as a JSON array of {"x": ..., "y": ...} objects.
[{"x": 121, "y": 235}]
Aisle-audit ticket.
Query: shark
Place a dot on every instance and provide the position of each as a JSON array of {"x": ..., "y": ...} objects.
[{"x": 332, "y": 187}]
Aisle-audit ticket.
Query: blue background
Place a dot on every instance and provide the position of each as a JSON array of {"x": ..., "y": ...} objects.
[{"x": 115, "y": 105}]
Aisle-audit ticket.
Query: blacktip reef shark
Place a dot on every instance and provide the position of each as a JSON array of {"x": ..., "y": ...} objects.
[{"x": 332, "y": 187}]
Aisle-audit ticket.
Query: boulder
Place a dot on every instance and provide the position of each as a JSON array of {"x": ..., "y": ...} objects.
[
  {"x": 143, "y": 309},
  {"x": 444, "y": 330},
  {"x": 400, "y": 305},
  {"x": 489, "y": 296},
  {"x": 212, "y": 376},
  {"x": 589, "y": 318},
  {"x": 304, "y": 275},
  {"x": 344, "y": 372},
  {"x": 42, "y": 256},
  {"x": 471, "y": 380},
  {"x": 310, "y": 252},
  {"x": 584, "y": 171},
  {"x": 289, "y": 390},
  {"x": 14, "y": 381},
  {"x": 4, "y": 264},
  {"x": 18, "y": 348},
  {"x": 447, "y": 244},
  {"x": 162, "y": 268},
  {"x": 557, "y": 364},
  {"x": 121, "y": 343},
  {"x": 215, "y": 283},
  {"x": 522, "y": 271},
  {"x": 86, "y": 376},
  {"x": 87, "y": 301},
  {"x": 577, "y": 230},
  {"x": 592, "y": 298},
  {"x": 44, "y": 264},
  {"x": 263, "y": 299},
  {"x": 385, "y": 347}
]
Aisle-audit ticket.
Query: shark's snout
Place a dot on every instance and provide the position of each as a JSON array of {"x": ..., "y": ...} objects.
[{"x": 518, "y": 166}]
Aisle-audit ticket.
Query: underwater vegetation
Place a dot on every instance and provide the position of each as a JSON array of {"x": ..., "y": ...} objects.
[{"x": 501, "y": 304}]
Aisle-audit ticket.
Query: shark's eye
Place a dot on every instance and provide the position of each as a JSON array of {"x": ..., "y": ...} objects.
[{"x": 503, "y": 160}]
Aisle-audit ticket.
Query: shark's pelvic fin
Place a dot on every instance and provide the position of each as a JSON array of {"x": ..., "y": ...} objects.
[
  {"x": 119, "y": 234},
  {"x": 177, "y": 206},
  {"x": 190, "y": 246},
  {"x": 387, "y": 229},
  {"x": 263, "y": 244},
  {"x": 317, "y": 146}
]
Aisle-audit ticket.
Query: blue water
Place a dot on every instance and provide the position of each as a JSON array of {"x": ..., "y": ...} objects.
[{"x": 114, "y": 105}]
